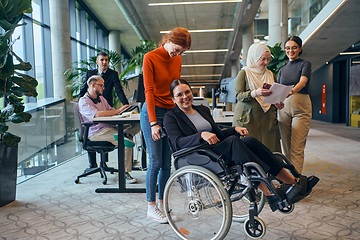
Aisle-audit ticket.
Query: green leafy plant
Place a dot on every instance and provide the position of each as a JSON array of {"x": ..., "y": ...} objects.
[
  {"x": 14, "y": 84},
  {"x": 140, "y": 51},
  {"x": 279, "y": 59}
]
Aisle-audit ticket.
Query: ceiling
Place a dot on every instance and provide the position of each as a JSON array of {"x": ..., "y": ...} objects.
[
  {"x": 192, "y": 17},
  {"x": 337, "y": 34}
]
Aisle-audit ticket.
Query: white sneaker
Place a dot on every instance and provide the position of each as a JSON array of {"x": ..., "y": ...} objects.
[
  {"x": 155, "y": 214},
  {"x": 162, "y": 209},
  {"x": 129, "y": 178}
]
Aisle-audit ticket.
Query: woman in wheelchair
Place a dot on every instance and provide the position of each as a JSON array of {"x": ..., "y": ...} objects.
[{"x": 188, "y": 125}]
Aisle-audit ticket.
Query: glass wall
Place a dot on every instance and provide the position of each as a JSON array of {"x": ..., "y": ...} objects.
[
  {"x": 302, "y": 12},
  {"x": 49, "y": 138}
]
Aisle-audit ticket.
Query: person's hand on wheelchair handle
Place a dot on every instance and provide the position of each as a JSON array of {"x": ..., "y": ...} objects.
[
  {"x": 209, "y": 137},
  {"x": 242, "y": 131}
]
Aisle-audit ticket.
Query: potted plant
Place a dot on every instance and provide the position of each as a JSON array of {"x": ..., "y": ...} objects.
[
  {"x": 278, "y": 60},
  {"x": 14, "y": 84}
]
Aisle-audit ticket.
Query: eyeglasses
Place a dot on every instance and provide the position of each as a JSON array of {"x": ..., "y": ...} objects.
[
  {"x": 101, "y": 85},
  {"x": 292, "y": 48},
  {"x": 187, "y": 93},
  {"x": 177, "y": 51},
  {"x": 265, "y": 59}
]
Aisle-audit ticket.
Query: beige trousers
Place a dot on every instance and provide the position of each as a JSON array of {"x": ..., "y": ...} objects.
[
  {"x": 294, "y": 125},
  {"x": 107, "y": 134}
]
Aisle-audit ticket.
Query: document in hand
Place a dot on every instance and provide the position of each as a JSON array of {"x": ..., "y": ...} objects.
[{"x": 279, "y": 93}]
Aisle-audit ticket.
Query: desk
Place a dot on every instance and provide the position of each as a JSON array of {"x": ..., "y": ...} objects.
[
  {"x": 227, "y": 118},
  {"x": 116, "y": 120}
]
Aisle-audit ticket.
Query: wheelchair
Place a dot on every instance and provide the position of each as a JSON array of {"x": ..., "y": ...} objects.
[{"x": 203, "y": 196}]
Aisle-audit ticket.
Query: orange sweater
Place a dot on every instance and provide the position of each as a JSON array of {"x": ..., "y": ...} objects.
[{"x": 160, "y": 70}]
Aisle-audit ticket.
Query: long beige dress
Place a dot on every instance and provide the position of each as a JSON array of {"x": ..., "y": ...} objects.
[{"x": 248, "y": 113}]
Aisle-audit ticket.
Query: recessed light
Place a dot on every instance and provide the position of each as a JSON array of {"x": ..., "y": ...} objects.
[
  {"x": 206, "y": 30},
  {"x": 207, "y": 51},
  {"x": 194, "y": 2},
  {"x": 204, "y": 65},
  {"x": 349, "y": 53}
]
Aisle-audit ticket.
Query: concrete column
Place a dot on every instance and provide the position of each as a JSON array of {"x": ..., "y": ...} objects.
[
  {"x": 60, "y": 44},
  {"x": 278, "y": 21},
  {"x": 248, "y": 39},
  {"x": 235, "y": 67},
  {"x": 115, "y": 45}
]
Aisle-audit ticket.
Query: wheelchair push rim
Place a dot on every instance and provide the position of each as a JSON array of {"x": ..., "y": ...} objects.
[{"x": 197, "y": 205}]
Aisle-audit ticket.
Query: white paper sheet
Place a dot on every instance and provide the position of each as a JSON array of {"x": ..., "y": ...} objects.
[{"x": 279, "y": 93}]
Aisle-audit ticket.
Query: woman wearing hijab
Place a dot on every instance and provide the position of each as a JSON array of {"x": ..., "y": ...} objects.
[{"x": 250, "y": 111}]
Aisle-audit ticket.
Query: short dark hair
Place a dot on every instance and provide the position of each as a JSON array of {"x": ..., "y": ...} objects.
[
  {"x": 176, "y": 83},
  {"x": 101, "y": 54},
  {"x": 295, "y": 39}
]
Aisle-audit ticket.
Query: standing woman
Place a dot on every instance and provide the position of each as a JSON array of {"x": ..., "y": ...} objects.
[
  {"x": 250, "y": 111},
  {"x": 295, "y": 117},
  {"x": 161, "y": 66}
]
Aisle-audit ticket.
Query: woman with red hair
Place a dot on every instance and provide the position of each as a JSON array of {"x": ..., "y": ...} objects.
[{"x": 161, "y": 66}]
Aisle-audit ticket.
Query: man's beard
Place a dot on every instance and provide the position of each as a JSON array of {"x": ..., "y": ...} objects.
[{"x": 98, "y": 93}]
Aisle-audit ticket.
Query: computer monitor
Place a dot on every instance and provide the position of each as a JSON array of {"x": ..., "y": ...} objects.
[
  {"x": 227, "y": 90},
  {"x": 140, "y": 91}
]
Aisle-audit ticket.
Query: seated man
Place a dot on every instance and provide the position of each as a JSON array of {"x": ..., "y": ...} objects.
[{"x": 93, "y": 104}]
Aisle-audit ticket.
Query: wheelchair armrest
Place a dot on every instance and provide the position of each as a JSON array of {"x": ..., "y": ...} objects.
[{"x": 188, "y": 150}]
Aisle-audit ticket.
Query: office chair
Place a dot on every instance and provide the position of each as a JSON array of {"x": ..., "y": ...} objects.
[{"x": 102, "y": 147}]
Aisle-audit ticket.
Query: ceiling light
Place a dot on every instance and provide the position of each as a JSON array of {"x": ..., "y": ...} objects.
[
  {"x": 204, "y": 65},
  {"x": 349, "y": 53},
  {"x": 355, "y": 61},
  {"x": 206, "y": 30},
  {"x": 197, "y": 86},
  {"x": 194, "y": 2},
  {"x": 206, "y": 51},
  {"x": 206, "y": 75}
]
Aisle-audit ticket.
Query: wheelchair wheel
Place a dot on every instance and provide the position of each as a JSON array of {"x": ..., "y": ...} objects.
[
  {"x": 288, "y": 209},
  {"x": 241, "y": 207},
  {"x": 256, "y": 230},
  {"x": 193, "y": 198}
]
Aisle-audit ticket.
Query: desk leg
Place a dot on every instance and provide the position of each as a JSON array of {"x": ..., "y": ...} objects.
[{"x": 121, "y": 166}]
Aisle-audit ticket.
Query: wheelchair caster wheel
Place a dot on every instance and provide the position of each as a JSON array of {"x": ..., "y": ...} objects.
[
  {"x": 287, "y": 210},
  {"x": 77, "y": 181},
  {"x": 255, "y": 231}
]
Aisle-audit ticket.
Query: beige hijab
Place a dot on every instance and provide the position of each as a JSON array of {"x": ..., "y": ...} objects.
[{"x": 255, "y": 75}]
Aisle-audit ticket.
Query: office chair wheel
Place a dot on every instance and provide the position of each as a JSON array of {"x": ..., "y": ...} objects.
[
  {"x": 77, "y": 181},
  {"x": 197, "y": 205},
  {"x": 288, "y": 209},
  {"x": 241, "y": 207},
  {"x": 256, "y": 230},
  {"x": 104, "y": 181}
]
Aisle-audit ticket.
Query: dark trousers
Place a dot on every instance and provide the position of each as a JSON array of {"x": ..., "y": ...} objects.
[{"x": 247, "y": 149}]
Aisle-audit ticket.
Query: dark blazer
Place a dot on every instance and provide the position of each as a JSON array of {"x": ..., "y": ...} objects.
[
  {"x": 111, "y": 79},
  {"x": 182, "y": 132}
]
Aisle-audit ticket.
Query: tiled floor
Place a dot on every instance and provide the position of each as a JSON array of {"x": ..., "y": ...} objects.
[{"x": 51, "y": 206}]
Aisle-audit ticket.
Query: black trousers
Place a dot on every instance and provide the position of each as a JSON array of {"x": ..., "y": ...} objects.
[{"x": 247, "y": 149}]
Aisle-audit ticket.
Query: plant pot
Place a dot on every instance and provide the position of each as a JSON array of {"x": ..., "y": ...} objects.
[{"x": 8, "y": 173}]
